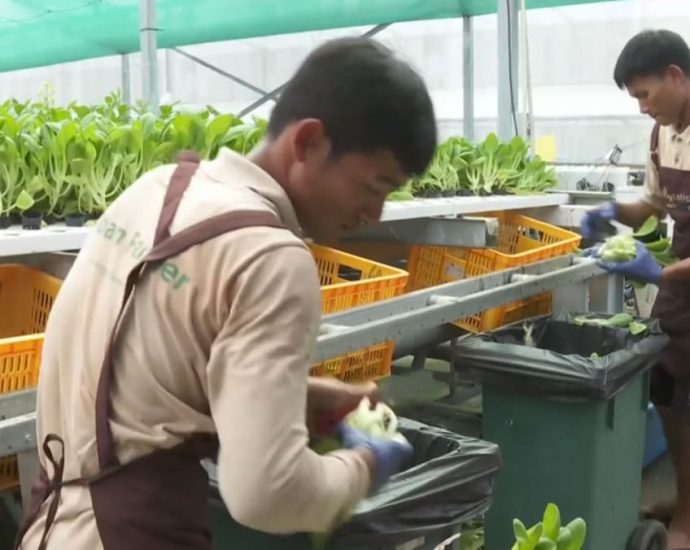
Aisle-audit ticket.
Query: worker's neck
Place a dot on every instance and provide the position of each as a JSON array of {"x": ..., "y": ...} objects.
[
  {"x": 264, "y": 157},
  {"x": 684, "y": 118}
]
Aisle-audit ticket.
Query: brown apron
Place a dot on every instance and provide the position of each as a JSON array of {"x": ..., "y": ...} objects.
[
  {"x": 672, "y": 306},
  {"x": 158, "y": 501}
]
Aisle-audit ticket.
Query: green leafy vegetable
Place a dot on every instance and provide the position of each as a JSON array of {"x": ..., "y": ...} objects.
[
  {"x": 637, "y": 328},
  {"x": 79, "y": 158},
  {"x": 549, "y": 534},
  {"x": 620, "y": 248},
  {"x": 489, "y": 167},
  {"x": 649, "y": 227},
  {"x": 377, "y": 421},
  {"x": 472, "y": 537},
  {"x": 552, "y": 522},
  {"x": 620, "y": 320}
]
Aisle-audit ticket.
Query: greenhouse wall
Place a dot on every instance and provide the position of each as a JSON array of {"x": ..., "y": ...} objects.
[{"x": 572, "y": 53}]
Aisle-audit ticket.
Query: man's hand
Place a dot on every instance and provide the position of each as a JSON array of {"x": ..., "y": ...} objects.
[
  {"x": 642, "y": 268},
  {"x": 596, "y": 218},
  {"x": 389, "y": 454},
  {"x": 330, "y": 400}
]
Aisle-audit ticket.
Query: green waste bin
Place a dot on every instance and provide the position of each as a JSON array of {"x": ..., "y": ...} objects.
[
  {"x": 568, "y": 412},
  {"x": 448, "y": 481},
  {"x": 586, "y": 457},
  {"x": 8, "y": 522},
  {"x": 230, "y": 535}
]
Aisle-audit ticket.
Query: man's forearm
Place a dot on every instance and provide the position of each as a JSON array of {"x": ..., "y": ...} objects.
[
  {"x": 677, "y": 272},
  {"x": 332, "y": 394},
  {"x": 635, "y": 214}
]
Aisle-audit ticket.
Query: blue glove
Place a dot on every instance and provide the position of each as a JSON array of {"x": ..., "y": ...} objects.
[
  {"x": 606, "y": 213},
  {"x": 388, "y": 454},
  {"x": 643, "y": 268}
]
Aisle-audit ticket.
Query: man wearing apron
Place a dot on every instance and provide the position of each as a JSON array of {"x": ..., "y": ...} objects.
[
  {"x": 186, "y": 326},
  {"x": 655, "y": 69}
]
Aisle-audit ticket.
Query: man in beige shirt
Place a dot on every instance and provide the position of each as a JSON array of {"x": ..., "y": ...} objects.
[
  {"x": 655, "y": 68},
  {"x": 216, "y": 341}
]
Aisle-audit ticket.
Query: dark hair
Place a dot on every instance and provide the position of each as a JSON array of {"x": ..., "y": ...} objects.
[
  {"x": 367, "y": 100},
  {"x": 650, "y": 53}
]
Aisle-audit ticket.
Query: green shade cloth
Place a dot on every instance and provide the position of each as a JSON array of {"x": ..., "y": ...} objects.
[{"x": 43, "y": 32}]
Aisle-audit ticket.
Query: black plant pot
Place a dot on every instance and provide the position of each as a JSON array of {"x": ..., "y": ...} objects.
[
  {"x": 15, "y": 218},
  {"x": 32, "y": 220},
  {"x": 5, "y": 222},
  {"x": 449, "y": 193},
  {"x": 75, "y": 220},
  {"x": 464, "y": 193}
]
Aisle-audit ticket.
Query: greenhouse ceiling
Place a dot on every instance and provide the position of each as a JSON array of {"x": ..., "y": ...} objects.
[{"x": 44, "y": 32}]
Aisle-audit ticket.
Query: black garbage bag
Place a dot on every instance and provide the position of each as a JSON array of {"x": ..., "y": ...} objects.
[
  {"x": 448, "y": 481},
  {"x": 565, "y": 359}
]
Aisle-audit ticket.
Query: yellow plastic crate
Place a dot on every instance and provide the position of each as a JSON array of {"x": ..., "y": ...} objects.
[
  {"x": 26, "y": 296},
  {"x": 521, "y": 241},
  {"x": 348, "y": 281}
]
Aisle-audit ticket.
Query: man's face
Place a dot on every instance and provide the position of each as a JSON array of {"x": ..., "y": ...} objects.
[
  {"x": 660, "y": 97},
  {"x": 333, "y": 196}
]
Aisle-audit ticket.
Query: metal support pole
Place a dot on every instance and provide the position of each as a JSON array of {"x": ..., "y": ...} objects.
[
  {"x": 273, "y": 94},
  {"x": 126, "y": 83},
  {"x": 149, "y": 53},
  {"x": 468, "y": 77},
  {"x": 29, "y": 468},
  {"x": 507, "y": 68},
  {"x": 220, "y": 71},
  {"x": 168, "y": 72},
  {"x": 607, "y": 294},
  {"x": 572, "y": 297}
]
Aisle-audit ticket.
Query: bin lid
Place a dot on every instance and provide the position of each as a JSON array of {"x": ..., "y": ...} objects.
[{"x": 566, "y": 359}]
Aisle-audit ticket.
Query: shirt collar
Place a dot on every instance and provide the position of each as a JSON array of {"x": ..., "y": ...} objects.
[
  {"x": 681, "y": 136},
  {"x": 234, "y": 169}
]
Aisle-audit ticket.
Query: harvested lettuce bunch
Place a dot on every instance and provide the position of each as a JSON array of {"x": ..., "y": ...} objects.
[
  {"x": 620, "y": 320},
  {"x": 620, "y": 248},
  {"x": 378, "y": 421}
]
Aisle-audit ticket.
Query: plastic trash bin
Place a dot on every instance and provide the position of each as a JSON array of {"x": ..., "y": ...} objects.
[
  {"x": 570, "y": 425},
  {"x": 448, "y": 481}
]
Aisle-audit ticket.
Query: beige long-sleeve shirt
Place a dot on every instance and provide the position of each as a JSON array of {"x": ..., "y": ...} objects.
[{"x": 219, "y": 339}]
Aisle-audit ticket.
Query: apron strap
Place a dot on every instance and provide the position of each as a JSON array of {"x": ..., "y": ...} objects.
[
  {"x": 164, "y": 247},
  {"x": 187, "y": 164},
  {"x": 42, "y": 489},
  {"x": 54, "y": 484},
  {"x": 654, "y": 146}
]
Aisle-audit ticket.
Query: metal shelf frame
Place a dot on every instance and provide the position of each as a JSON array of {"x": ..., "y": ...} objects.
[
  {"x": 16, "y": 241},
  {"x": 396, "y": 319}
]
